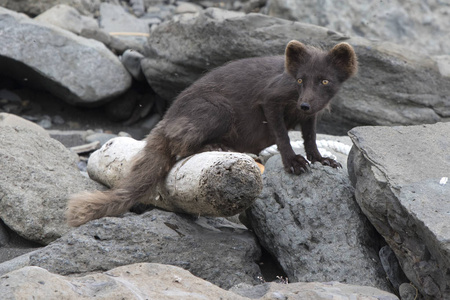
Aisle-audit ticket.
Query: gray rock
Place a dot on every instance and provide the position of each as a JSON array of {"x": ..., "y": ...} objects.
[
  {"x": 392, "y": 268},
  {"x": 443, "y": 62},
  {"x": 408, "y": 292},
  {"x": 421, "y": 26},
  {"x": 131, "y": 31},
  {"x": 69, "y": 138},
  {"x": 399, "y": 177},
  {"x": 34, "y": 8},
  {"x": 132, "y": 61},
  {"x": 138, "y": 281},
  {"x": 4, "y": 235},
  {"x": 405, "y": 88},
  {"x": 15, "y": 121},
  {"x": 394, "y": 85},
  {"x": 138, "y": 7},
  {"x": 114, "y": 18},
  {"x": 37, "y": 175},
  {"x": 75, "y": 69},
  {"x": 45, "y": 122},
  {"x": 101, "y": 137},
  {"x": 160, "y": 11},
  {"x": 67, "y": 18},
  {"x": 214, "y": 249},
  {"x": 186, "y": 7},
  {"x": 166, "y": 282},
  {"x": 10, "y": 102},
  {"x": 97, "y": 34},
  {"x": 16, "y": 261},
  {"x": 314, "y": 228},
  {"x": 311, "y": 290}
]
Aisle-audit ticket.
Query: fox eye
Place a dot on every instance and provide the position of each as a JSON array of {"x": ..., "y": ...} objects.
[
  {"x": 299, "y": 81},
  {"x": 325, "y": 82}
]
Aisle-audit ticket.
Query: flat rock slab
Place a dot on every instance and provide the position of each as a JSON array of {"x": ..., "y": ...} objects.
[
  {"x": 398, "y": 175},
  {"x": 217, "y": 250},
  {"x": 75, "y": 69}
]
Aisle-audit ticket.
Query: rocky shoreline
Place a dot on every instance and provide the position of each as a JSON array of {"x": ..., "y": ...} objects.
[{"x": 76, "y": 73}]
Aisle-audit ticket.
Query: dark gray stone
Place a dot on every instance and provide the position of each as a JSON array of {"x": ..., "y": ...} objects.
[
  {"x": 314, "y": 227},
  {"x": 69, "y": 138},
  {"x": 132, "y": 61},
  {"x": 397, "y": 173},
  {"x": 213, "y": 249},
  {"x": 392, "y": 268},
  {"x": 4, "y": 235}
]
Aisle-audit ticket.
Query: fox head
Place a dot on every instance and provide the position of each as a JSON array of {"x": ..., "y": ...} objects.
[{"x": 318, "y": 74}]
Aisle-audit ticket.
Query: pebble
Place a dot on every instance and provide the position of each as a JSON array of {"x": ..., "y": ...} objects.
[
  {"x": 58, "y": 120},
  {"x": 45, "y": 122}
]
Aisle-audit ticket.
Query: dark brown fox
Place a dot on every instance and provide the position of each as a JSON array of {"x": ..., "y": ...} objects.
[{"x": 244, "y": 106}]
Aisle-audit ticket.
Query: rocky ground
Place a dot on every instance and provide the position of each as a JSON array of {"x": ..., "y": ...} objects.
[{"x": 78, "y": 73}]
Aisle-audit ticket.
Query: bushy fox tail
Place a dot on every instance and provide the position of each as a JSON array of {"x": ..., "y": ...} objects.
[{"x": 149, "y": 169}]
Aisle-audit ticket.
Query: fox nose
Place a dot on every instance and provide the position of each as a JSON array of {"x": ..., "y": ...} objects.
[{"x": 305, "y": 106}]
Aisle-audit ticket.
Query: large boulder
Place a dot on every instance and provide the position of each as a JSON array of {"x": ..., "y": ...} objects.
[
  {"x": 415, "y": 24},
  {"x": 77, "y": 70},
  {"x": 394, "y": 85},
  {"x": 214, "y": 249},
  {"x": 313, "y": 226},
  {"x": 400, "y": 177},
  {"x": 37, "y": 175}
]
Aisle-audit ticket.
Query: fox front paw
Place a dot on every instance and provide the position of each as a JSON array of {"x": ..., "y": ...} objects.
[
  {"x": 326, "y": 161},
  {"x": 296, "y": 165}
]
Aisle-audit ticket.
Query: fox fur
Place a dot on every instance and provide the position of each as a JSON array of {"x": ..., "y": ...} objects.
[{"x": 244, "y": 106}]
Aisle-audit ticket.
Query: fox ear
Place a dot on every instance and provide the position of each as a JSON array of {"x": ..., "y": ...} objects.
[
  {"x": 296, "y": 54},
  {"x": 344, "y": 57}
]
